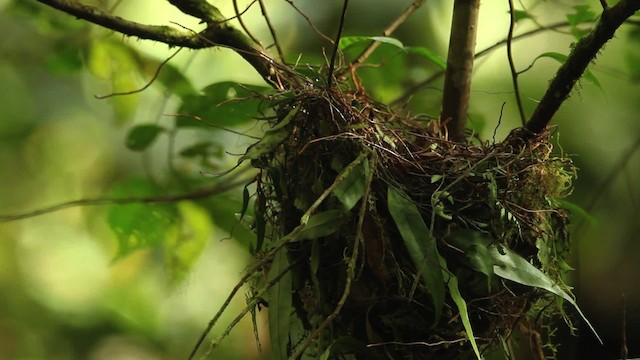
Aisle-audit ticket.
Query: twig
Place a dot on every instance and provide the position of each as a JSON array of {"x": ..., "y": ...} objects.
[
  {"x": 198, "y": 194},
  {"x": 336, "y": 43},
  {"x": 582, "y": 54},
  {"x": 387, "y": 32},
  {"x": 317, "y": 31},
  {"x": 153, "y": 79},
  {"x": 512, "y": 66},
  {"x": 242, "y": 24},
  {"x": 250, "y": 305},
  {"x": 272, "y": 30}
]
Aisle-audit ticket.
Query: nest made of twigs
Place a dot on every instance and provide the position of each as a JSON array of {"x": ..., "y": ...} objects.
[{"x": 504, "y": 192}]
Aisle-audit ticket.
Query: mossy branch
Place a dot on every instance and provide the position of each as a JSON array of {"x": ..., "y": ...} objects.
[
  {"x": 583, "y": 53},
  {"x": 217, "y": 33}
]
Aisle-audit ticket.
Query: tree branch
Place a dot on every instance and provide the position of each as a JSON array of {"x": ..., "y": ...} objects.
[
  {"x": 457, "y": 79},
  {"x": 217, "y": 33},
  {"x": 197, "y": 194},
  {"x": 584, "y": 52}
]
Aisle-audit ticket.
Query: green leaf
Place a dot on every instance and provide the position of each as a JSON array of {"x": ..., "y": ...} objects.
[
  {"x": 65, "y": 57},
  {"x": 202, "y": 149},
  {"x": 322, "y": 224},
  {"x": 561, "y": 58},
  {"x": 138, "y": 225},
  {"x": 350, "y": 191},
  {"x": 270, "y": 140},
  {"x": 349, "y": 41},
  {"x": 221, "y": 104},
  {"x": 511, "y": 266},
  {"x": 461, "y": 304},
  {"x": 142, "y": 136},
  {"x": 280, "y": 307},
  {"x": 522, "y": 14},
  {"x": 476, "y": 249},
  {"x": 193, "y": 234},
  {"x": 427, "y": 54},
  {"x": 582, "y": 14},
  {"x": 420, "y": 244},
  {"x": 117, "y": 62},
  {"x": 577, "y": 210},
  {"x": 171, "y": 79}
]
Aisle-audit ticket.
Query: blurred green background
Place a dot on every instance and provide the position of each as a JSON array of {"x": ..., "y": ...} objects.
[{"x": 65, "y": 293}]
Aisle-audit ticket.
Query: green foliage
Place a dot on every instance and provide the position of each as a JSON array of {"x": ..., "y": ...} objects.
[
  {"x": 350, "y": 191},
  {"x": 221, "y": 104},
  {"x": 142, "y": 136},
  {"x": 561, "y": 58},
  {"x": 420, "y": 244},
  {"x": 353, "y": 41},
  {"x": 140, "y": 225},
  {"x": 322, "y": 224},
  {"x": 582, "y": 15},
  {"x": 511, "y": 266},
  {"x": 461, "y": 304},
  {"x": 115, "y": 61},
  {"x": 187, "y": 240}
]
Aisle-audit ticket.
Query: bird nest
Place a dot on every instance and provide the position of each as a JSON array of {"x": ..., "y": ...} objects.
[{"x": 386, "y": 240}]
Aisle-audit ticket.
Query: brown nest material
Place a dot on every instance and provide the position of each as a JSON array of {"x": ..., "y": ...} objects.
[{"x": 364, "y": 269}]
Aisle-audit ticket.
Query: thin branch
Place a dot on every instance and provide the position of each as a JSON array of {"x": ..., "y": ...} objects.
[
  {"x": 272, "y": 30},
  {"x": 146, "y": 86},
  {"x": 387, "y": 32},
  {"x": 512, "y": 66},
  {"x": 242, "y": 24},
  {"x": 583, "y": 53},
  {"x": 317, "y": 31},
  {"x": 345, "y": 3},
  {"x": 198, "y": 194},
  {"x": 216, "y": 33}
]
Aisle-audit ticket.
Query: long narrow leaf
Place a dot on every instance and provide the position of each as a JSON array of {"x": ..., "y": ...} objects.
[
  {"x": 420, "y": 244},
  {"x": 511, "y": 266},
  {"x": 461, "y": 304}
]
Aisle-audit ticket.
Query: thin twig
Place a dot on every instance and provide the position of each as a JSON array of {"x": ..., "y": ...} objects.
[
  {"x": 201, "y": 120},
  {"x": 250, "y": 305},
  {"x": 337, "y": 43},
  {"x": 387, "y": 32},
  {"x": 198, "y": 194},
  {"x": 243, "y": 25},
  {"x": 512, "y": 66},
  {"x": 272, "y": 30},
  {"x": 153, "y": 79},
  {"x": 317, "y": 31}
]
